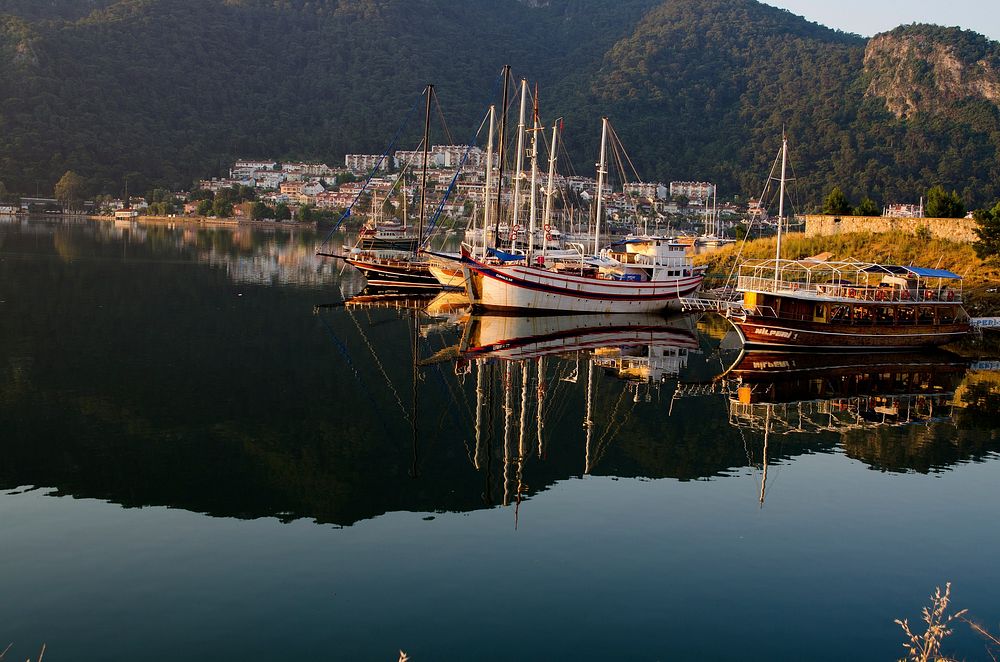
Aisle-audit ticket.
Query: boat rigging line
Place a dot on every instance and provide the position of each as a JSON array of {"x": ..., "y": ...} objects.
[{"x": 375, "y": 169}]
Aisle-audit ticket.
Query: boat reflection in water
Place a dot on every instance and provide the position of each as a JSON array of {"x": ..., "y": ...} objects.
[
  {"x": 526, "y": 368},
  {"x": 552, "y": 397},
  {"x": 784, "y": 393},
  {"x": 840, "y": 392}
]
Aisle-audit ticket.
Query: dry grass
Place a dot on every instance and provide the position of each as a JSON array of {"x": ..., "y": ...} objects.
[
  {"x": 41, "y": 653},
  {"x": 926, "y": 646}
]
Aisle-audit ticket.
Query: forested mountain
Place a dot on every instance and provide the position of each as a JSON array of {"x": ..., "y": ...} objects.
[{"x": 167, "y": 91}]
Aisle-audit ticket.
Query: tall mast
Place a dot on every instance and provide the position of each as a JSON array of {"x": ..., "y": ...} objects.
[
  {"x": 501, "y": 149},
  {"x": 489, "y": 177},
  {"x": 520, "y": 159},
  {"x": 601, "y": 172},
  {"x": 479, "y": 409},
  {"x": 535, "y": 130},
  {"x": 423, "y": 174},
  {"x": 715, "y": 210},
  {"x": 781, "y": 208},
  {"x": 508, "y": 412},
  {"x": 588, "y": 421},
  {"x": 540, "y": 406},
  {"x": 547, "y": 216}
]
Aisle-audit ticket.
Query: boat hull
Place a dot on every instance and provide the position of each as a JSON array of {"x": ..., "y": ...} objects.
[
  {"x": 449, "y": 276},
  {"x": 526, "y": 288},
  {"x": 771, "y": 332},
  {"x": 402, "y": 274}
]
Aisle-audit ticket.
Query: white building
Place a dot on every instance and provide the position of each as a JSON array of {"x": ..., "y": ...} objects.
[
  {"x": 693, "y": 190},
  {"x": 651, "y": 190},
  {"x": 365, "y": 162}
]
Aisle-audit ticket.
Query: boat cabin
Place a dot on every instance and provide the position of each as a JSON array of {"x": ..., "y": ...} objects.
[{"x": 648, "y": 258}]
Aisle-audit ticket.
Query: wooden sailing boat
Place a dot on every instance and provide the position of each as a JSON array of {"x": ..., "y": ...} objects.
[
  {"x": 393, "y": 270},
  {"x": 812, "y": 302},
  {"x": 642, "y": 274}
]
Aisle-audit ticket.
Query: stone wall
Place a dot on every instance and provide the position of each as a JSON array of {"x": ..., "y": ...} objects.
[{"x": 955, "y": 229}]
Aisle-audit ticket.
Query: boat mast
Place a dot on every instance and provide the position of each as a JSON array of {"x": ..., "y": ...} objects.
[
  {"x": 536, "y": 129},
  {"x": 547, "y": 216},
  {"x": 501, "y": 149},
  {"x": 479, "y": 410},
  {"x": 423, "y": 174},
  {"x": 716, "y": 230},
  {"x": 588, "y": 421},
  {"x": 781, "y": 209},
  {"x": 489, "y": 177},
  {"x": 767, "y": 430},
  {"x": 520, "y": 162},
  {"x": 540, "y": 406},
  {"x": 601, "y": 172},
  {"x": 508, "y": 412}
]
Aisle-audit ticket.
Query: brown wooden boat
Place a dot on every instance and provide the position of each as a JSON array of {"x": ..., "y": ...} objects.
[{"x": 847, "y": 305}]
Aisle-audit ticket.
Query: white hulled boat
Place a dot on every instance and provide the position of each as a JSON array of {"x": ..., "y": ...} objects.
[{"x": 640, "y": 274}]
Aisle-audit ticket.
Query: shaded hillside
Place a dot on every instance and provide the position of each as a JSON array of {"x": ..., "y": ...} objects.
[{"x": 172, "y": 90}]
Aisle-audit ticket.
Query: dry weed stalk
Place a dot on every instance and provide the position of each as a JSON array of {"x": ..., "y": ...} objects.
[
  {"x": 41, "y": 653},
  {"x": 992, "y": 642},
  {"x": 926, "y": 646}
]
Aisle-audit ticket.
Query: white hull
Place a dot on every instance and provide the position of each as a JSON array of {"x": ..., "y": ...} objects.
[
  {"x": 519, "y": 338},
  {"x": 520, "y": 287}
]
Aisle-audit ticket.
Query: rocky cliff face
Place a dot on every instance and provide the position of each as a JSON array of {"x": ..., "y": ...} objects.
[{"x": 926, "y": 68}]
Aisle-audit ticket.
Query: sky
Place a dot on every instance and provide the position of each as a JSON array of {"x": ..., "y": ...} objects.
[{"x": 868, "y": 17}]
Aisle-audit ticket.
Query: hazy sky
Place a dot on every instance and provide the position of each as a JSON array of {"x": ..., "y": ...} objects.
[{"x": 868, "y": 17}]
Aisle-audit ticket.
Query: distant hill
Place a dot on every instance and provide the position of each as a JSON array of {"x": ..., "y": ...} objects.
[{"x": 171, "y": 90}]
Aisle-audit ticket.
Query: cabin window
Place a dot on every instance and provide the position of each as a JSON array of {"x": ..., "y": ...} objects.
[
  {"x": 925, "y": 315},
  {"x": 906, "y": 315},
  {"x": 840, "y": 313},
  {"x": 883, "y": 315},
  {"x": 819, "y": 313},
  {"x": 862, "y": 316},
  {"x": 946, "y": 315}
]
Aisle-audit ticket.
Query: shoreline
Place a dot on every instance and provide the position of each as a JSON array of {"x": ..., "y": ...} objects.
[{"x": 211, "y": 222}]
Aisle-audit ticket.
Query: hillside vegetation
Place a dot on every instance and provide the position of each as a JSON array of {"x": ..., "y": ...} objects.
[{"x": 167, "y": 91}]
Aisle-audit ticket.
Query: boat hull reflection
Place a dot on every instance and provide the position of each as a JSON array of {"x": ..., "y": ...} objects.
[{"x": 520, "y": 338}]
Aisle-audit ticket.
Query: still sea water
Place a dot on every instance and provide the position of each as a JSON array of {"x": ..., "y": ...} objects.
[{"x": 205, "y": 454}]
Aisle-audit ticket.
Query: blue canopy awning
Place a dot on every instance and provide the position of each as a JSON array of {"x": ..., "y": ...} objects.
[
  {"x": 919, "y": 272},
  {"x": 501, "y": 255}
]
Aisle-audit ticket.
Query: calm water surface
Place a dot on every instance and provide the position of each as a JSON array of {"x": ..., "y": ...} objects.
[{"x": 206, "y": 454}]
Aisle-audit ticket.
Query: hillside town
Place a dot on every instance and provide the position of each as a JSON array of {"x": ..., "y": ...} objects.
[{"x": 267, "y": 189}]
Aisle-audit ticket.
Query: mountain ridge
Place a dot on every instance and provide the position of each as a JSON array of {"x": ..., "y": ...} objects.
[{"x": 167, "y": 91}]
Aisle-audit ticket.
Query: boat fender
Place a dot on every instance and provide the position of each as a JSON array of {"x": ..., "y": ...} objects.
[
  {"x": 951, "y": 295},
  {"x": 905, "y": 294}
]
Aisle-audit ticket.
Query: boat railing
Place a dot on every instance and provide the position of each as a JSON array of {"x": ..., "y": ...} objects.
[{"x": 919, "y": 294}]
